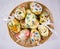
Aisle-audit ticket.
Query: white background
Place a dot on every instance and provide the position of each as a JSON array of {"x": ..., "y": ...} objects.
[{"x": 6, "y": 7}]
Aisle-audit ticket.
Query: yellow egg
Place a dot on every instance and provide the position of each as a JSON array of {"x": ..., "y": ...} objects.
[
  {"x": 30, "y": 20},
  {"x": 44, "y": 18},
  {"x": 35, "y": 36},
  {"x": 35, "y": 8},
  {"x": 20, "y": 13},
  {"x": 14, "y": 26},
  {"x": 43, "y": 30}
]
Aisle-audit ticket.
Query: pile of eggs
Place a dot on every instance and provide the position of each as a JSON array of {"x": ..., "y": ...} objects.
[{"x": 27, "y": 24}]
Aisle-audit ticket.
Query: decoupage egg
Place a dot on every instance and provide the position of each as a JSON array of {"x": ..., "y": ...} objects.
[
  {"x": 14, "y": 26},
  {"x": 19, "y": 13},
  {"x": 30, "y": 20},
  {"x": 43, "y": 30},
  {"x": 35, "y": 8},
  {"x": 44, "y": 18},
  {"x": 24, "y": 34},
  {"x": 35, "y": 37}
]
